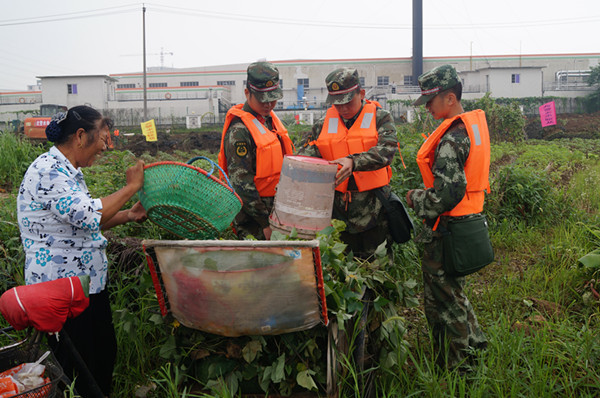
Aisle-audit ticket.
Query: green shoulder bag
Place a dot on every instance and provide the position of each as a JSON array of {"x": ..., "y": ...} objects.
[{"x": 466, "y": 245}]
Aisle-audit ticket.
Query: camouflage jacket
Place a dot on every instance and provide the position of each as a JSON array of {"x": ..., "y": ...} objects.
[
  {"x": 240, "y": 152},
  {"x": 360, "y": 210},
  {"x": 450, "y": 182}
]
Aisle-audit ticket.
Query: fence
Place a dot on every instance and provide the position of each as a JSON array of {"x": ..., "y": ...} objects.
[{"x": 133, "y": 117}]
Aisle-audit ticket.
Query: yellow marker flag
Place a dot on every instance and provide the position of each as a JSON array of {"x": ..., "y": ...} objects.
[{"x": 149, "y": 130}]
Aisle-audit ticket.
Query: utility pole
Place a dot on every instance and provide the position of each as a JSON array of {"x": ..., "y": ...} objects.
[
  {"x": 144, "y": 51},
  {"x": 471, "y": 58},
  {"x": 417, "y": 59}
]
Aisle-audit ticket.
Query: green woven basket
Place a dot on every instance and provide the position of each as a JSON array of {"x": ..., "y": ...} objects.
[{"x": 187, "y": 200}]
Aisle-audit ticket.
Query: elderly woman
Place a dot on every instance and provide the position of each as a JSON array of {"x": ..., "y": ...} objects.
[{"x": 61, "y": 225}]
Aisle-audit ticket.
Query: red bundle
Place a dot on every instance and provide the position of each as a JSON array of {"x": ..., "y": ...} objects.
[{"x": 46, "y": 305}]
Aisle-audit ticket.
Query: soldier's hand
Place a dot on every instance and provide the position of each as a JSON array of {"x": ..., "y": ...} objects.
[
  {"x": 346, "y": 170},
  {"x": 267, "y": 231},
  {"x": 409, "y": 201}
]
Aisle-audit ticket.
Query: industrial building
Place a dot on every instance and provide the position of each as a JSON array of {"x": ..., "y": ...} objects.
[{"x": 205, "y": 93}]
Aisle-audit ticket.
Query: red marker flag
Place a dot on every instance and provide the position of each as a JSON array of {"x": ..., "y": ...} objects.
[{"x": 548, "y": 114}]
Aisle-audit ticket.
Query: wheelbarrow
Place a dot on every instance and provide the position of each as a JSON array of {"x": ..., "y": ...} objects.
[{"x": 235, "y": 288}]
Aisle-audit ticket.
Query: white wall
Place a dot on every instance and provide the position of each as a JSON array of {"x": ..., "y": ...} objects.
[
  {"x": 91, "y": 90},
  {"x": 501, "y": 85}
]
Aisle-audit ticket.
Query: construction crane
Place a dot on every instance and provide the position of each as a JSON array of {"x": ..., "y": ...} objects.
[{"x": 162, "y": 56}]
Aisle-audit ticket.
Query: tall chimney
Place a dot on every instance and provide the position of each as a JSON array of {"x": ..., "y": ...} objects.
[{"x": 417, "y": 59}]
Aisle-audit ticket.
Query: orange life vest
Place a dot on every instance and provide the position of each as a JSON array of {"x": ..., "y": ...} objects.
[
  {"x": 336, "y": 141},
  {"x": 269, "y": 149},
  {"x": 477, "y": 166}
]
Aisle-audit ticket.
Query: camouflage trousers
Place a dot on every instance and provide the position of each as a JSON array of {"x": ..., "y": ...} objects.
[
  {"x": 363, "y": 244},
  {"x": 245, "y": 225},
  {"x": 449, "y": 313}
]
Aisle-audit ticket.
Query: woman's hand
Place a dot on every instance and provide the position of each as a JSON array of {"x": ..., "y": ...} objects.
[
  {"x": 112, "y": 204},
  {"x": 135, "y": 175},
  {"x": 137, "y": 213},
  {"x": 346, "y": 170}
]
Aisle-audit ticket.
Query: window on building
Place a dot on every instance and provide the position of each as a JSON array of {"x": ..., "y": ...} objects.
[
  {"x": 280, "y": 83},
  {"x": 188, "y": 84},
  {"x": 72, "y": 88},
  {"x": 383, "y": 80},
  {"x": 361, "y": 80},
  {"x": 303, "y": 82},
  {"x": 408, "y": 81},
  {"x": 226, "y": 83},
  {"x": 157, "y": 85},
  {"x": 515, "y": 78},
  {"x": 128, "y": 85}
]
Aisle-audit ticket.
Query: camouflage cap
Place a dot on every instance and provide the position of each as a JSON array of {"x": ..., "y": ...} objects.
[
  {"x": 435, "y": 81},
  {"x": 263, "y": 81},
  {"x": 341, "y": 85}
]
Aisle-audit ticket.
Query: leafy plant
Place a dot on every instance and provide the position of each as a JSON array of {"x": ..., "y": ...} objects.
[
  {"x": 17, "y": 155},
  {"x": 520, "y": 194},
  {"x": 505, "y": 122}
]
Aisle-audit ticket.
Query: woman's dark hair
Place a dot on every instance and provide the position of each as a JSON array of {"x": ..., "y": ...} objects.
[{"x": 64, "y": 125}]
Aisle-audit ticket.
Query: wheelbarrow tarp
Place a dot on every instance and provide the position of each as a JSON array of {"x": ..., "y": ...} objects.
[
  {"x": 235, "y": 288},
  {"x": 45, "y": 305}
]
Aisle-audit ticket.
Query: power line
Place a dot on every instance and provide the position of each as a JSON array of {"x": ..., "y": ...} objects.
[
  {"x": 269, "y": 20},
  {"x": 73, "y": 15},
  {"x": 331, "y": 24},
  {"x": 285, "y": 21}
]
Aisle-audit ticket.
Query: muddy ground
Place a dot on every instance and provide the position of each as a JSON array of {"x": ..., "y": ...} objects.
[
  {"x": 203, "y": 140},
  {"x": 570, "y": 125}
]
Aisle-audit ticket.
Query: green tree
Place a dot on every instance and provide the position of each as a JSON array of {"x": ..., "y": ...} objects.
[
  {"x": 592, "y": 101},
  {"x": 594, "y": 77}
]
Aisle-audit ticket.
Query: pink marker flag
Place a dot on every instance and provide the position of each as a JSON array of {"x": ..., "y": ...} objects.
[{"x": 548, "y": 114}]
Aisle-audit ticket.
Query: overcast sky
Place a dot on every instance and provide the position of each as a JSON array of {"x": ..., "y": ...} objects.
[{"x": 74, "y": 37}]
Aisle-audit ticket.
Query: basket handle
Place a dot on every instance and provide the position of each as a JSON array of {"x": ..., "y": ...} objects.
[{"x": 213, "y": 164}]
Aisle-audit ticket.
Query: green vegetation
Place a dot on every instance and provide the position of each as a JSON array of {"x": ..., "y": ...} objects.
[
  {"x": 538, "y": 303},
  {"x": 17, "y": 155},
  {"x": 592, "y": 101}
]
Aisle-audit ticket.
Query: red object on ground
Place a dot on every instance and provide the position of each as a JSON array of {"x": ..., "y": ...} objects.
[{"x": 46, "y": 305}]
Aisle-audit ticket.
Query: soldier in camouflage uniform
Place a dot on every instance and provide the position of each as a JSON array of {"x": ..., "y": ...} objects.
[
  {"x": 253, "y": 144},
  {"x": 449, "y": 313},
  {"x": 363, "y": 213}
]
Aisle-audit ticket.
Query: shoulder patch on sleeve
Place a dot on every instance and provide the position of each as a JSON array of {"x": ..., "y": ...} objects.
[{"x": 241, "y": 149}]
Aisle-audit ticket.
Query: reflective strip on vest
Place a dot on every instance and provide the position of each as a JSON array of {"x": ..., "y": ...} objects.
[
  {"x": 259, "y": 126},
  {"x": 476, "y": 134},
  {"x": 366, "y": 122},
  {"x": 333, "y": 126}
]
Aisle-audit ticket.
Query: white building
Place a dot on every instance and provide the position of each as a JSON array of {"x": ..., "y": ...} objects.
[
  {"x": 208, "y": 92},
  {"x": 94, "y": 90}
]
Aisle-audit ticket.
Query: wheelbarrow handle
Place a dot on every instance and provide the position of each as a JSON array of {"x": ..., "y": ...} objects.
[{"x": 80, "y": 365}]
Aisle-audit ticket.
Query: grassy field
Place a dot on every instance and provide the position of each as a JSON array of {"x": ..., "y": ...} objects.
[{"x": 537, "y": 302}]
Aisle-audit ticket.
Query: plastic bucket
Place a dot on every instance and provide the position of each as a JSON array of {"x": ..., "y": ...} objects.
[{"x": 304, "y": 197}]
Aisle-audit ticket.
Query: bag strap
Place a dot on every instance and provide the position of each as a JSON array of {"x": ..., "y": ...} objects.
[{"x": 384, "y": 201}]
